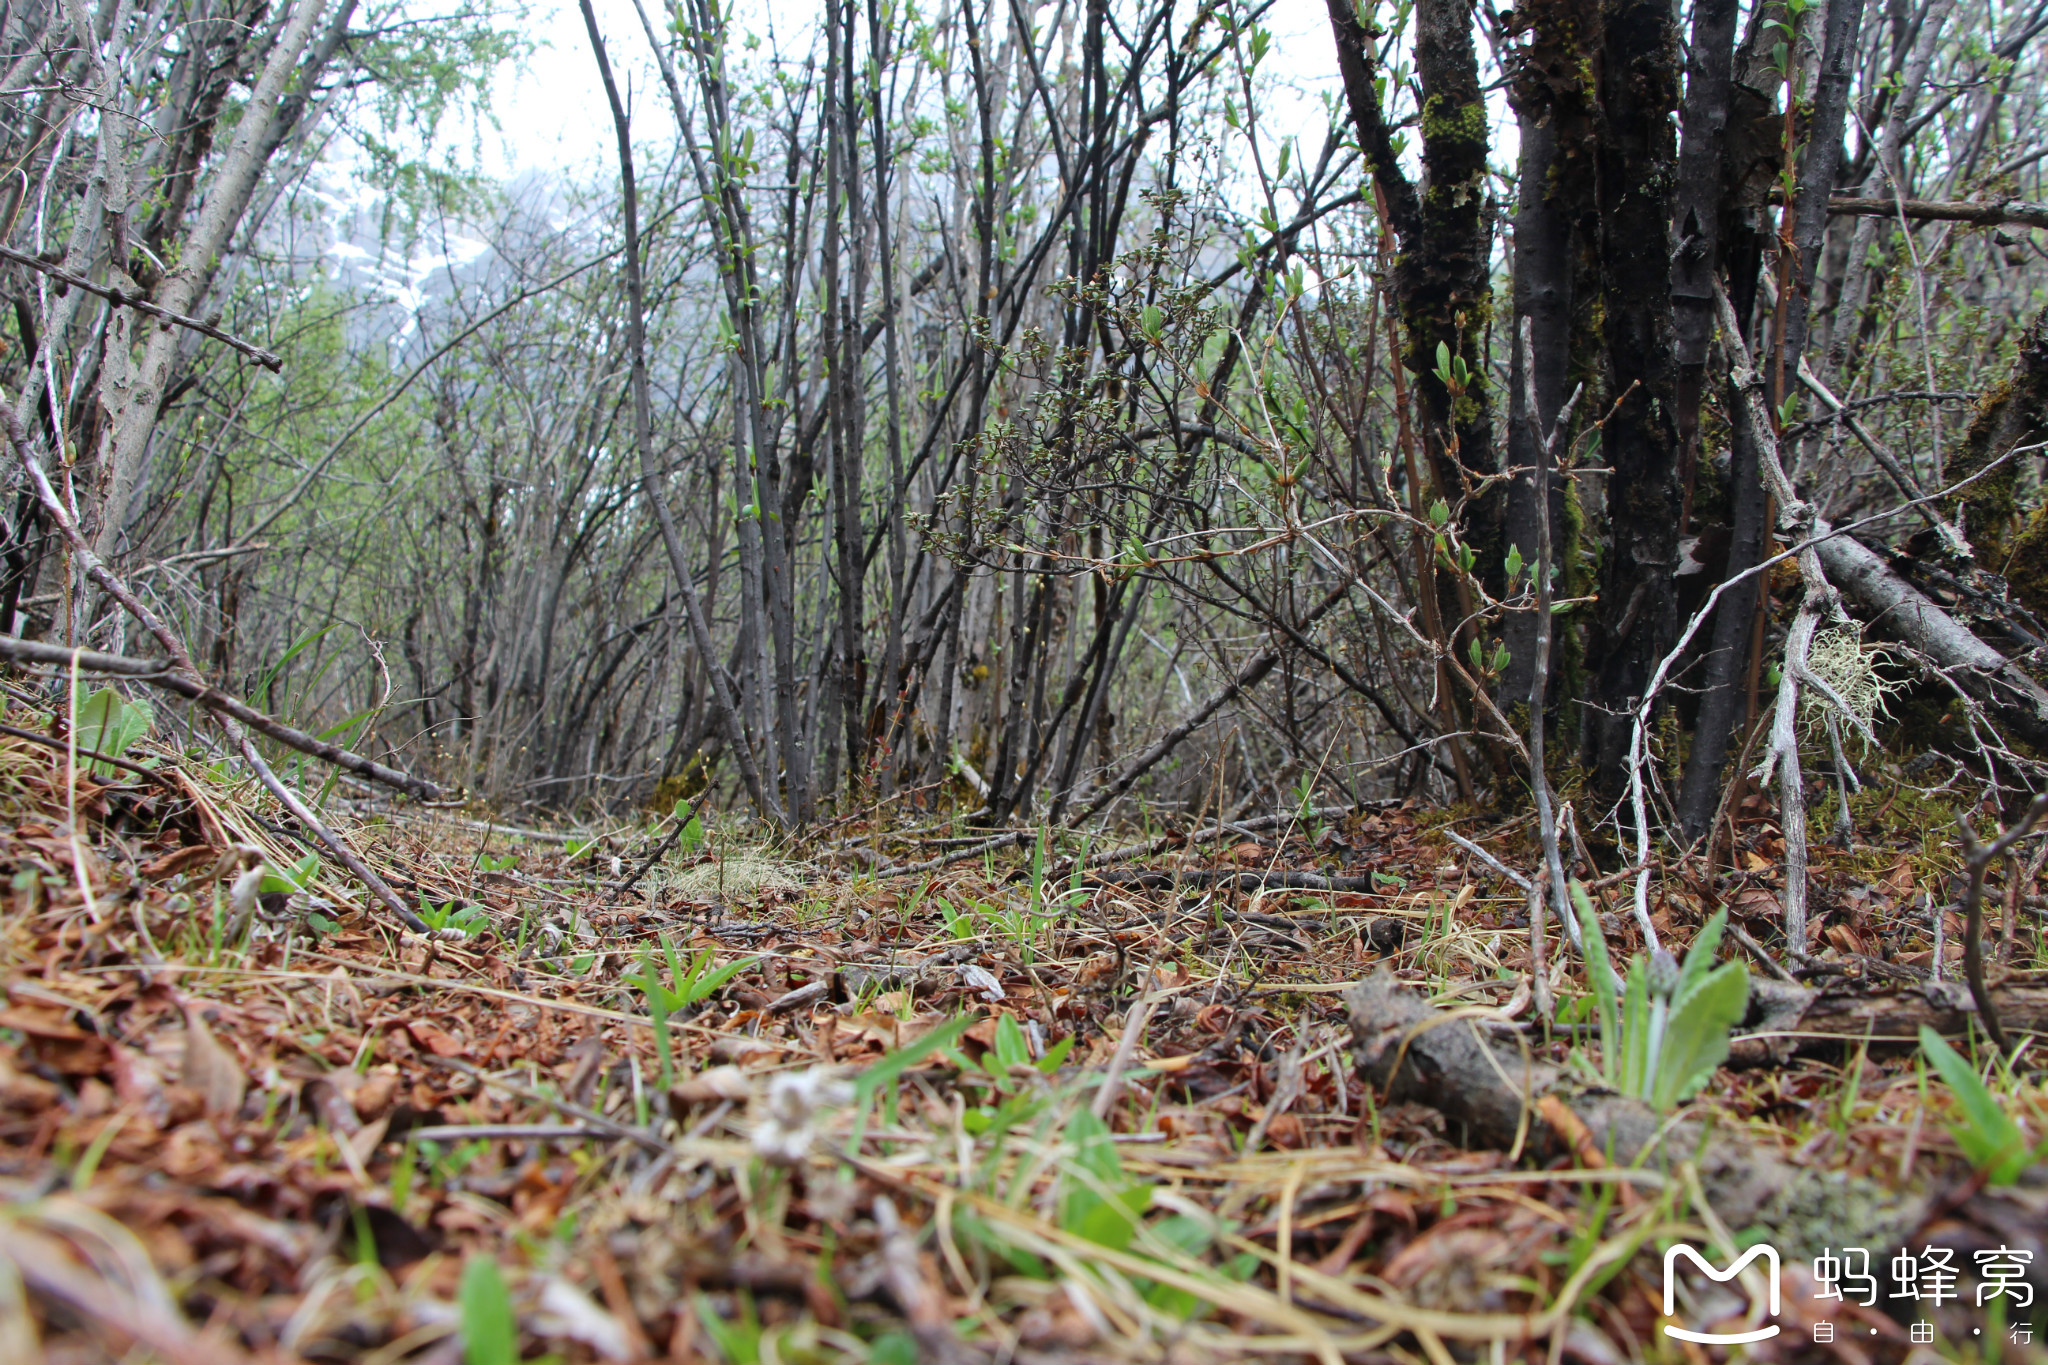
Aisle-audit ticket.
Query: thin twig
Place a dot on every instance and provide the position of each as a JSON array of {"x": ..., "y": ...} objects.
[
  {"x": 121, "y": 299},
  {"x": 674, "y": 836},
  {"x": 506, "y": 1132},
  {"x": 1539, "y": 676},
  {"x": 343, "y": 854},
  {"x": 610, "y": 1127},
  {"x": 1977, "y": 859},
  {"x": 1126, "y": 1046},
  {"x": 93, "y": 755},
  {"x": 1496, "y": 864}
]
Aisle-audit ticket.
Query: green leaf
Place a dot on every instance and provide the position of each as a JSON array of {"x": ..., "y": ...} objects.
[
  {"x": 1191, "y": 1237},
  {"x": 1010, "y": 1049},
  {"x": 1696, "y": 1035},
  {"x": 296, "y": 877},
  {"x": 1443, "y": 360},
  {"x": 1987, "y": 1135},
  {"x": 1632, "y": 1074},
  {"x": 893, "y": 1348},
  {"x": 1601, "y": 971},
  {"x": 1055, "y": 1054},
  {"x": 490, "y": 1334},
  {"x": 1152, "y": 321},
  {"x": 1501, "y": 658},
  {"x": 107, "y": 724},
  {"x": 1514, "y": 562},
  {"x": 1094, "y": 1146},
  {"x": 1699, "y": 959},
  {"x": 1439, "y": 512},
  {"x": 739, "y": 1342},
  {"x": 1096, "y": 1201},
  {"x": 703, "y": 983}
]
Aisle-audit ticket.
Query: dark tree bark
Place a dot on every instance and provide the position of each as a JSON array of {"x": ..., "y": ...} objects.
[
  {"x": 1702, "y": 202},
  {"x": 1637, "y": 617},
  {"x": 1726, "y": 667},
  {"x": 1702, "y": 226},
  {"x": 1553, "y": 98},
  {"x": 843, "y": 351}
]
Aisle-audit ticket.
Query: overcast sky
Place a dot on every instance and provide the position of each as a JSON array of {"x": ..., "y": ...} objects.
[{"x": 553, "y": 116}]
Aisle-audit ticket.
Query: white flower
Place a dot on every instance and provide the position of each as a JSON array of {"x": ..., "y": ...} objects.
[
  {"x": 242, "y": 895},
  {"x": 797, "y": 1101}
]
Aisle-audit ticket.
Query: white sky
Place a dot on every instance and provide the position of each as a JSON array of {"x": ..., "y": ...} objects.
[{"x": 553, "y": 115}]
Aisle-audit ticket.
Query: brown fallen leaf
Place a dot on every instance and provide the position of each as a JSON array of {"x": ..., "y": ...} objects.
[
  {"x": 434, "y": 1038},
  {"x": 718, "y": 1083},
  {"x": 210, "y": 1068},
  {"x": 56, "y": 1042},
  {"x": 178, "y": 860}
]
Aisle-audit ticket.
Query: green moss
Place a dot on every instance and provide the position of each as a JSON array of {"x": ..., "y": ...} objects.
[
  {"x": 1889, "y": 816},
  {"x": 2025, "y": 563},
  {"x": 1990, "y": 508},
  {"x": 693, "y": 778},
  {"x": 1443, "y": 120},
  {"x": 1835, "y": 1208}
]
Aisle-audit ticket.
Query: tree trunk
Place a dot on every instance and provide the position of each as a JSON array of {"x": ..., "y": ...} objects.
[
  {"x": 1818, "y": 170},
  {"x": 1701, "y": 229},
  {"x": 1553, "y": 100},
  {"x": 141, "y": 388},
  {"x": 1637, "y": 616}
]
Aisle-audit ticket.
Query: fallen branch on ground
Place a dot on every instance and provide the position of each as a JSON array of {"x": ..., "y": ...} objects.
[
  {"x": 1412, "y": 1051},
  {"x": 1820, "y": 1022},
  {"x": 1902, "y": 611}
]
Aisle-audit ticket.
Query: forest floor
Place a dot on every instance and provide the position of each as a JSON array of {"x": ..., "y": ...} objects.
[{"x": 766, "y": 1106}]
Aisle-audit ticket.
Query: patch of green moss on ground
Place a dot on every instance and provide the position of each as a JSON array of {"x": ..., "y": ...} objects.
[{"x": 1890, "y": 816}]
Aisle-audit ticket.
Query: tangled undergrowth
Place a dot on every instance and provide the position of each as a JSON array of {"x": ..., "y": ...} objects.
[{"x": 755, "y": 1109}]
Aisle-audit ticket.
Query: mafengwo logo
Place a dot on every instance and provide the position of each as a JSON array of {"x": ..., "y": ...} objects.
[{"x": 1760, "y": 1252}]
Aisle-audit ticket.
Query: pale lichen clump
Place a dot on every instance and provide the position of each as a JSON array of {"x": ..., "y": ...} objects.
[{"x": 1848, "y": 664}]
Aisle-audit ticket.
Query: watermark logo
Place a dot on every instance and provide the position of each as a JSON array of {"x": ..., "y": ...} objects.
[{"x": 1762, "y": 1251}]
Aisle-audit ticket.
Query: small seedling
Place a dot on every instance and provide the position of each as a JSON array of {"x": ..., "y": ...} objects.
[
  {"x": 1663, "y": 1035},
  {"x": 467, "y": 920},
  {"x": 692, "y": 981},
  {"x": 287, "y": 880},
  {"x": 959, "y": 923}
]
